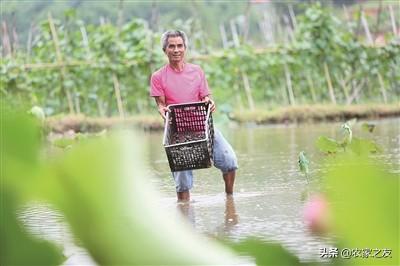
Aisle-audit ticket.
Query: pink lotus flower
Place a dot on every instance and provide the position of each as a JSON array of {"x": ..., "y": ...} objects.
[{"x": 316, "y": 214}]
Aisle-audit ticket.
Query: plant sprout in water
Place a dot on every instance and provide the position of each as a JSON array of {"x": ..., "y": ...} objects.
[{"x": 303, "y": 164}]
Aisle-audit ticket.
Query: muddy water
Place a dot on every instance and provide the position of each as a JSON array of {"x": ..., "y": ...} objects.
[{"x": 269, "y": 191}]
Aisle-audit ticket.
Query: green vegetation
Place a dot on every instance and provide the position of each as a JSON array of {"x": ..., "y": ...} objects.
[
  {"x": 357, "y": 200},
  {"x": 357, "y": 184},
  {"x": 347, "y": 143},
  {"x": 104, "y": 71},
  {"x": 98, "y": 180},
  {"x": 361, "y": 193},
  {"x": 206, "y": 15},
  {"x": 159, "y": 15},
  {"x": 303, "y": 163}
]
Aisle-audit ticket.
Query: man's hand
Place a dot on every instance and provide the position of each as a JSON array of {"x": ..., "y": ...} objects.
[
  {"x": 210, "y": 102},
  {"x": 163, "y": 110}
]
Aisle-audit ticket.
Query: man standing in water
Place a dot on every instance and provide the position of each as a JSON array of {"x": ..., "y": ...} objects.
[{"x": 180, "y": 82}]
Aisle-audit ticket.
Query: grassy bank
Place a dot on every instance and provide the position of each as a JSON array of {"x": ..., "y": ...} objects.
[
  {"x": 316, "y": 113},
  {"x": 292, "y": 114},
  {"x": 81, "y": 123}
]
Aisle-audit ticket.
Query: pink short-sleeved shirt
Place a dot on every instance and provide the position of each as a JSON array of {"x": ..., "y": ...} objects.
[{"x": 189, "y": 85}]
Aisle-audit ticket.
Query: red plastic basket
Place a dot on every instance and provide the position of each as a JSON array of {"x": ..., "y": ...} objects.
[{"x": 189, "y": 136}]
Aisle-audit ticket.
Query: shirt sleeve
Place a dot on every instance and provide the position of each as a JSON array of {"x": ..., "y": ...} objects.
[
  {"x": 204, "y": 90},
  {"x": 155, "y": 85}
]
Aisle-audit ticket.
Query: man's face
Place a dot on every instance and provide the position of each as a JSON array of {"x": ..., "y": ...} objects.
[{"x": 175, "y": 49}]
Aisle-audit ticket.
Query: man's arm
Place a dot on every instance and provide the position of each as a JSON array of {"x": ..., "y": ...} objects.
[
  {"x": 210, "y": 101},
  {"x": 204, "y": 90},
  {"x": 161, "y": 105}
]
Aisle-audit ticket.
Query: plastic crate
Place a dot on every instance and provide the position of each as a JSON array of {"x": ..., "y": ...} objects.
[{"x": 189, "y": 136}]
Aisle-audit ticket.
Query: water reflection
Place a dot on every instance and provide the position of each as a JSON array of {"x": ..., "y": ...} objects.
[
  {"x": 270, "y": 190},
  {"x": 230, "y": 219},
  {"x": 187, "y": 210}
]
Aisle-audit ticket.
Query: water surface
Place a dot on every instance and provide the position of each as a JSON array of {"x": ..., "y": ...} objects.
[{"x": 269, "y": 189}]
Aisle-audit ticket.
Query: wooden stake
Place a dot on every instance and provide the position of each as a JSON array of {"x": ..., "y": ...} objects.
[
  {"x": 329, "y": 81},
  {"x": 194, "y": 7},
  {"x": 378, "y": 20},
  {"x": 85, "y": 41},
  {"x": 60, "y": 60},
  {"x": 223, "y": 36},
  {"x": 15, "y": 39},
  {"x": 366, "y": 29},
  {"x": 247, "y": 89},
  {"x": 235, "y": 36},
  {"x": 29, "y": 42},
  {"x": 238, "y": 96},
  {"x": 100, "y": 108},
  {"x": 382, "y": 86},
  {"x": 289, "y": 30},
  {"x": 272, "y": 22},
  {"x": 292, "y": 16},
  {"x": 289, "y": 85},
  {"x": 15, "y": 43},
  {"x": 154, "y": 16},
  {"x": 263, "y": 31},
  {"x": 392, "y": 20},
  {"x": 246, "y": 21},
  {"x": 120, "y": 19},
  {"x": 89, "y": 56},
  {"x": 311, "y": 86},
  {"x": 346, "y": 13},
  {"x": 282, "y": 83},
  {"x": 118, "y": 96},
  {"x": 266, "y": 27},
  {"x": 360, "y": 10},
  {"x": 356, "y": 91},
  {"x": 345, "y": 89},
  {"x": 6, "y": 39},
  {"x": 55, "y": 38},
  {"x": 348, "y": 22},
  {"x": 77, "y": 105}
]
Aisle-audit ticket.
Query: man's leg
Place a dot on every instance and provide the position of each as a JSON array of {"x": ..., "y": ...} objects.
[
  {"x": 183, "y": 184},
  {"x": 229, "y": 179},
  {"x": 225, "y": 160},
  {"x": 183, "y": 196}
]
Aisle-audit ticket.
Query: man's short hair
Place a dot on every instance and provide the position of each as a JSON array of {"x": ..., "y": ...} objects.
[{"x": 173, "y": 33}]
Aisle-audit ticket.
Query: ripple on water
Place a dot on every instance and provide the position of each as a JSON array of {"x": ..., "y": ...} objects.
[
  {"x": 43, "y": 221},
  {"x": 268, "y": 203}
]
